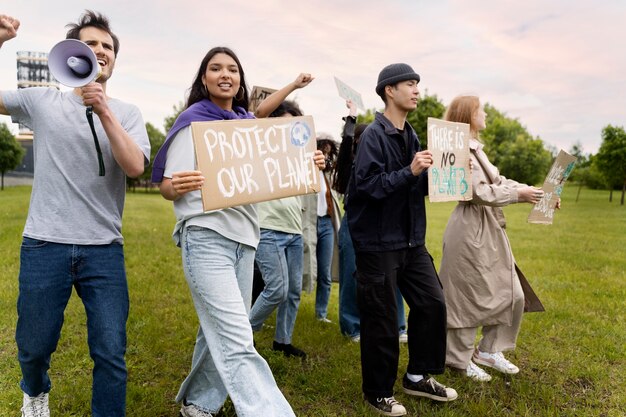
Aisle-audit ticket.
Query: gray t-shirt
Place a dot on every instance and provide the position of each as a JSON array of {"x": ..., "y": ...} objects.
[
  {"x": 70, "y": 203},
  {"x": 239, "y": 223}
]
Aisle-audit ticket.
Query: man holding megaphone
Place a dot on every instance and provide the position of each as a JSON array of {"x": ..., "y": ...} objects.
[{"x": 72, "y": 237}]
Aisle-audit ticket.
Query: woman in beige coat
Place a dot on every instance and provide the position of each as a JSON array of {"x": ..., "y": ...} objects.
[{"x": 478, "y": 268}]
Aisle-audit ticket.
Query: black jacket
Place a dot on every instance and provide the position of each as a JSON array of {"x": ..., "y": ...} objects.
[{"x": 385, "y": 201}]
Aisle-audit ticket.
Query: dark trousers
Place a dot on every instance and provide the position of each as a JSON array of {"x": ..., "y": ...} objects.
[{"x": 378, "y": 275}]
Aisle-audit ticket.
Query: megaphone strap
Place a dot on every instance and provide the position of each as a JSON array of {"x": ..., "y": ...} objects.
[{"x": 89, "y": 113}]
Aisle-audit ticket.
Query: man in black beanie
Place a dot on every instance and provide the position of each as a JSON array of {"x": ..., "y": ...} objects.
[{"x": 387, "y": 221}]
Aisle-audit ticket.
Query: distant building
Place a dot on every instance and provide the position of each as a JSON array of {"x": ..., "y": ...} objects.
[{"x": 32, "y": 71}]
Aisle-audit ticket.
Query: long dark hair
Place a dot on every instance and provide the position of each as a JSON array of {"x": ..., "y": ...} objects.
[
  {"x": 198, "y": 91},
  {"x": 345, "y": 158}
]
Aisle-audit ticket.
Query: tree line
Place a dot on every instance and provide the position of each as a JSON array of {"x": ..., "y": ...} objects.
[{"x": 509, "y": 145}]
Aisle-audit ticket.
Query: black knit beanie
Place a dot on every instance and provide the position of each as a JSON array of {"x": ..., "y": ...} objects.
[{"x": 393, "y": 74}]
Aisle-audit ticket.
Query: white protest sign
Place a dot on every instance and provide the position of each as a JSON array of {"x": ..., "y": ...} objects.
[
  {"x": 543, "y": 211},
  {"x": 449, "y": 176},
  {"x": 257, "y": 96},
  {"x": 346, "y": 92},
  {"x": 253, "y": 160}
]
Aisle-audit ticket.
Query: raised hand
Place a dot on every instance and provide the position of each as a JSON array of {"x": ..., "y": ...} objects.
[
  {"x": 350, "y": 105},
  {"x": 8, "y": 28},
  {"x": 303, "y": 80}
]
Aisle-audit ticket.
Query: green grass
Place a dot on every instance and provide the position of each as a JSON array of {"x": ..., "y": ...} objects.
[{"x": 572, "y": 357}]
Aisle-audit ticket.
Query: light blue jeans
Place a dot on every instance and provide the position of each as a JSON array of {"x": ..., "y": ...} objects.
[
  {"x": 225, "y": 362},
  {"x": 324, "y": 251},
  {"x": 279, "y": 257}
]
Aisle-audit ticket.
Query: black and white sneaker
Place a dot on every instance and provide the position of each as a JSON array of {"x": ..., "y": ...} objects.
[
  {"x": 428, "y": 388},
  {"x": 386, "y": 406}
]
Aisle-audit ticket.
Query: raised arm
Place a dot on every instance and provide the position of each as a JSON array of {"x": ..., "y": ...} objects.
[
  {"x": 267, "y": 106},
  {"x": 350, "y": 122},
  {"x": 8, "y": 30}
]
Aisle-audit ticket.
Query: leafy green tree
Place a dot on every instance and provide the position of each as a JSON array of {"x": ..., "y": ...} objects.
[
  {"x": 513, "y": 150},
  {"x": 582, "y": 162},
  {"x": 594, "y": 180},
  {"x": 11, "y": 152},
  {"x": 367, "y": 118},
  {"x": 581, "y": 169},
  {"x": 156, "y": 138},
  {"x": 611, "y": 159},
  {"x": 169, "y": 120}
]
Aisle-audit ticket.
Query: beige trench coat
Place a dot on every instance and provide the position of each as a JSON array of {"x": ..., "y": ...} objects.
[{"x": 477, "y": 268}]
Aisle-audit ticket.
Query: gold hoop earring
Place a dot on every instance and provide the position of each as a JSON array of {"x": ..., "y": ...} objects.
[{"x": 242, "y": 91}]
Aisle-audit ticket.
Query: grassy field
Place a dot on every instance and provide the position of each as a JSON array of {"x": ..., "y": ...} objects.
[{"x": 572, "y": 357}]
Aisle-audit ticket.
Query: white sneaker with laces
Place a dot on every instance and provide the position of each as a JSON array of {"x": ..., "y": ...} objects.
[
  {"x": 190, "y": 410},
  {"x": 496, "y": 361},
  {"x": 35, "y": 406},
  {"x": 475, "y": 372},
  {"x": 403, "y": 338}
]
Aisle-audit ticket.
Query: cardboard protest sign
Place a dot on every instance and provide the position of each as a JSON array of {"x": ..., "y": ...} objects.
[
  {"x": 543, "y": 211},
  {"x": 257, "y": 95},
  {"x": 348, "y": 93},
  {"x": 449, "y": 177},
  {"x": 253, "y": 160}
]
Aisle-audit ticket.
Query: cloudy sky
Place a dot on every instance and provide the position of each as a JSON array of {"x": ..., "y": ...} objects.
[{"x": 558, "y": 66}]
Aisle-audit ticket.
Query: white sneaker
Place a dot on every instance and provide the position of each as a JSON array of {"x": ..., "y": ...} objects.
[
  {"x": 356, "y": 339},
  {"x": 496, "y": 361},
  {"x": 36, "y": 406},
  {"x": 193, "y": 411},
  {"x": 323, "y": 320},
  {"x": 403, "y": 338},
  {"x": 475, "y": 372}
]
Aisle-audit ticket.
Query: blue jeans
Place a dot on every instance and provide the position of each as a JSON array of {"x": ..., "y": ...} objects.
[
  {"x": 225, "y": 362},
  {"x": 324, "y": 252},
  {"x": 349, "y": 317},
  {"x": 48, "y": 272},
  {"x": 279, "y": 257}
]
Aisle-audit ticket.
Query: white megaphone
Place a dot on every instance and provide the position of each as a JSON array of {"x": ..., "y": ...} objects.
[{"x": 73, "y": 63}]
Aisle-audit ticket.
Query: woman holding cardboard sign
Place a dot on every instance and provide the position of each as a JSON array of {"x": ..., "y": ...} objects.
[
  {"x": 478, "y": 271},
  {"x": 218, "y": 249}
]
